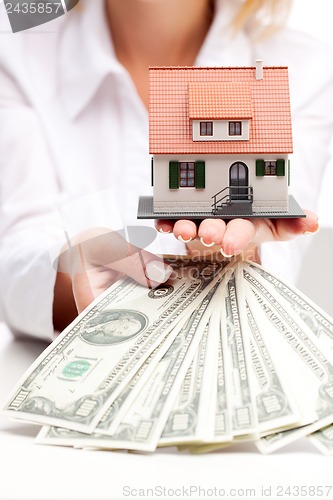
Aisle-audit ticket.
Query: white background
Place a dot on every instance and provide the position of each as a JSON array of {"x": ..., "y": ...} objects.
[{"x": 315, "y": 17}]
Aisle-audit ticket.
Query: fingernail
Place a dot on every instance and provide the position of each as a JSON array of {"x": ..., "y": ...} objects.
[
  {"x": 225, "y": 254},
  {"x": 207, "y": 244},
  {"x": 182, "y": 239},
  {"x": 158, "y": 271},
  {"x": 312, "y": 232},
  {"x": 161, "y": 230}
]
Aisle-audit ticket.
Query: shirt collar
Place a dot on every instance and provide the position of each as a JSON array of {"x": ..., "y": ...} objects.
[{"x": 87, "y": 54}]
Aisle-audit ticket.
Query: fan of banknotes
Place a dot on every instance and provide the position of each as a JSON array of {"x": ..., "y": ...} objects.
[{"x": 223, "y": 353}]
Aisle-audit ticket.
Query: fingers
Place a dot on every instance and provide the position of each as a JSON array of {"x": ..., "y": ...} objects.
[
  {"x": 234, "y": 236},
  {"x": 100, "y": 257},
  {"x": 83, "y": 291},
  {"x": 164, "y": 226},
  {"x": 211, "y": 232},
  {"x": 288, "y": 228},
  {"x": 210, "y": 235},
  {"x": 238, "y": 235},
  {"x": 214, "y": 235},
  {"x": 285, "y": 229},
  {"x": 143, "y": 267},
  {"x": 185, "y": 230}
]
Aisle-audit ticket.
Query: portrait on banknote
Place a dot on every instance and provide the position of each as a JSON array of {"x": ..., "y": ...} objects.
[{"x": 113, "y": 327}]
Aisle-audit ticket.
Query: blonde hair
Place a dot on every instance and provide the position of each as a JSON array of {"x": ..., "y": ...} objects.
[{"x": 262, "y": 16}]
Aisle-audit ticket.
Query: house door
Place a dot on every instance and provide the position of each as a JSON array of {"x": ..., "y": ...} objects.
[{"x": 238, "y": 177}]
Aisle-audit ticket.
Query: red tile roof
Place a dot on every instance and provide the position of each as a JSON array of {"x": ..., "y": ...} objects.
[
  {"x": 179, "y": 94},
  {"x": 219, "y": 100}
]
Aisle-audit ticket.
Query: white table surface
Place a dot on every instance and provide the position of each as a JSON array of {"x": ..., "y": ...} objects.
[{"x": 30, "y": 471}]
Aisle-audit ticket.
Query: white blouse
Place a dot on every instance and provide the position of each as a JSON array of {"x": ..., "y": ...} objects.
[{"x": 74, "y": 143}]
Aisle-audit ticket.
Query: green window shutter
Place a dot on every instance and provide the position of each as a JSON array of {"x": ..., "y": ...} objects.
[
  {"x": 280, "y": 167},
  {"x": 288, "y": 172},
  {"x": 200, "y": 178},
  {"x": 260, "y": 168},
  {"x": 152, "y": 171},
  {"x": 173, "y": 174}
]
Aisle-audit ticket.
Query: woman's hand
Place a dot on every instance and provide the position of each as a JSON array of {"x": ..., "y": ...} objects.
[
  {"x": 238, "y": 236},
  {"x": 94, "y": 260}
]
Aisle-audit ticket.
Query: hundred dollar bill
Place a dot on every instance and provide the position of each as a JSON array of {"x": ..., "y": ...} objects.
[
  {"x": 211, "y": 447},
  {"x": 300, "y": 349},
  {"x": 118, "y": 408},
  {"x": 152, "y": 406},
  {"x": 234, "y": 326},
  {"x": 183, "y": 420},
  {"x": 220, "y": 428},
  {"x": 275, "y": 406},
  {"x": 220, "y": 435},
  {"x": 319, "y": 322},
  {"x": 115, "y": 413},
  {"x": 59, "y": 436},
  {"x": 323, "y": 440},
  {"x": 77, "y": 377},
  {"x": 236, "y": 397},
  {"x": 197, "y": 403},
  {"x": 143, "y": 424}
]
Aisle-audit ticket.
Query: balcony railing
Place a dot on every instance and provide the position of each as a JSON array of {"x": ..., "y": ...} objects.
[{"x": 230, "y": 194}]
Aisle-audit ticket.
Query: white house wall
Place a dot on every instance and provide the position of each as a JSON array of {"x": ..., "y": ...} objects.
[
  {"x": 220, "y": 131},
  {"x": 270, "y": 193}
]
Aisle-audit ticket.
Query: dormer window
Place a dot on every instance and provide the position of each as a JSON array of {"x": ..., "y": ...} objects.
[
  {"x": 206, "y": 128},
  {"x": 235, "y": 128},
  {"x": 221, "y": 130}
]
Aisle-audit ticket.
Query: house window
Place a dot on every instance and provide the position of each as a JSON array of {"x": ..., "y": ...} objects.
[
  {"x": 275, "y": 167},
  {"x": 270, "y": 168},
  {"x": 235, "y": 128},
  {"x": 187, "y": 174},
  {"x": 206, "y": 128}
]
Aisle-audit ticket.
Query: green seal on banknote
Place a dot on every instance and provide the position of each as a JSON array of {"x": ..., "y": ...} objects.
[
  {"x": 76, "y": 369},
  {"x": 113, "y": 327}
]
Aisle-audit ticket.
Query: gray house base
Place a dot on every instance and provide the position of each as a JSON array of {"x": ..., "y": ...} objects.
[{"x": 146, "y": 211}]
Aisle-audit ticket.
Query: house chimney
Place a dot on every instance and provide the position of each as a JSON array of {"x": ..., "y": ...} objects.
[{"x": 259, "y": 69}]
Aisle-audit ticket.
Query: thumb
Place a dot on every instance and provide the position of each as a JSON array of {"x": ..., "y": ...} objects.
[{"x": 143, "y": 267}]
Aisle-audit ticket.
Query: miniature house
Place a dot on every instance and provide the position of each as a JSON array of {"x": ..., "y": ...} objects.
[{"x": 219, "y": 139}]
